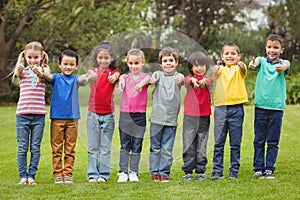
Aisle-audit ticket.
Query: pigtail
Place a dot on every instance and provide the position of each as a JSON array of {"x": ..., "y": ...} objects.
[{"x": 20, "y": 65}]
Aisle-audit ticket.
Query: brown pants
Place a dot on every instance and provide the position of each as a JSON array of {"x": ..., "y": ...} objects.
[{"x": 63, "y": 135}]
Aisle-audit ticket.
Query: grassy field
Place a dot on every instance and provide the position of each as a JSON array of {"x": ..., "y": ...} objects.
[{"x": 285, "y": 186}]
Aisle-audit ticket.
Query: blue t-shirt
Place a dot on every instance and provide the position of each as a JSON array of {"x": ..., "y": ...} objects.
[
  {"x": 64, "y": 102},
  {"x": 270, "y": 87}
]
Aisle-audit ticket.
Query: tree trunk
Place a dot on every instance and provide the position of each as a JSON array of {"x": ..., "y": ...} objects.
[{"x": 4, "y": 72}]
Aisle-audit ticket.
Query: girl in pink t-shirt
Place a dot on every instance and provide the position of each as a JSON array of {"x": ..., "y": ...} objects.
[{"x": 132, "y": 123}]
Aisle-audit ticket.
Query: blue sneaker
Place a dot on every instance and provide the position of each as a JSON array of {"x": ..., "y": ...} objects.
[{"x": 216, "y": 176}]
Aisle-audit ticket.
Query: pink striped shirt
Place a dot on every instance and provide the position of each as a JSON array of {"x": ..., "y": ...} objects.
[{"x": 32, "y": 95}]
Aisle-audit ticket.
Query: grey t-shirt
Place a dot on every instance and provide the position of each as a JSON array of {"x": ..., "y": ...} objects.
[{"x": 166, "y": 99}]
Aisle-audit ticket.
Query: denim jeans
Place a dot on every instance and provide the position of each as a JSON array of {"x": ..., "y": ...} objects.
[
  {"x": 267, "y": 127},
  {"x": 228, "y": 119},
  {"x": 161, "y": 147},
  {"x": 100, "y": 130},
  {"x": 29, "y": 129},
  {"x": 195, "y": 136},
  {"x": 132, "y": 128}
]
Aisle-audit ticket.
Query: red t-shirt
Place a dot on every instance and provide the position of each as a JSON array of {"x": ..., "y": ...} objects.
[
  {"x": 197, "y": 102},
  {"x": 101, "y": 99}
]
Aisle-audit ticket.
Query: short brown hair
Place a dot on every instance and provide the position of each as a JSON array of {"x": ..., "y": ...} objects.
[{"x": 168, "y": 51}]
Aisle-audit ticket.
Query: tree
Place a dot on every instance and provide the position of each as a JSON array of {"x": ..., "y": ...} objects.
[
  {"x": 16, "y": 16},
  {"x": 203, "y": 20}
]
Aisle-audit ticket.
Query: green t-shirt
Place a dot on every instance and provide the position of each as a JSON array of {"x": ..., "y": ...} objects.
[{"x": 270, "y": 87}]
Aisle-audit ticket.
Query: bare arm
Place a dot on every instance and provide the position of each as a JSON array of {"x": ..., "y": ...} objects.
[{"x": 143, "y": 82}]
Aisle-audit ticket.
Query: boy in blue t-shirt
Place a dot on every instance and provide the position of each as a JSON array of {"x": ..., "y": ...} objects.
[
  {"x": 269, "y": 101},
  {"x": 64, "y": 115}
]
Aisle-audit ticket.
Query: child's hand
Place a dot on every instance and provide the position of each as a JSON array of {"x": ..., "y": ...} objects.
[
  {"x": 91, "y": 75},
  {"x": 178, "y": 80},
  {"x": 252, "y": 64},
  {"x": 203, "y": 82},
  {"x": 281, "y": 67},
  {"x": 154, "y": 78},
  {"x": 216, "y": 68},
  {"x": 242, "y": 66},
  {"x": 38, "y": 71},
  {"x": 121, "y": 86},
  {"x": 194, "y": 82},
  {"x": 138, "y": 87},
  {"x": 112, "y": 78}
]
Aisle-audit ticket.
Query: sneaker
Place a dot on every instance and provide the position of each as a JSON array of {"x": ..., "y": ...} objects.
[
  {"x": 133, "y": 177},
  {"x": 188, "y": 177},
  {"x": 269, "y": 174},
  {"x": 122, "y": 177},
  {"x": 200, "y": 177},
  {"x": 92, "y": 180},
  {"x": 164, "y": 179},
  {"x": 258, "y": 175},
  {"x": 58, "y": 180},
  {"x": 233, "y": 175},
  {"x": 31, "y": 181},
  {"x": 217, "y": 175},
  {"x": 23, "y": 181},
  {"x": 101, "y": 179},
  {"x": 68, "y": 179},
  {"x": 155, "y": 177}
]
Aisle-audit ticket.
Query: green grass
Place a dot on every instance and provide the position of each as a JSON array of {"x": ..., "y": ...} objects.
[{"x": 285, "y": 186}]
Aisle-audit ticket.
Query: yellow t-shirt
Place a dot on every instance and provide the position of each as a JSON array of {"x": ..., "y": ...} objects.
[{"x": 230, "y": 87}]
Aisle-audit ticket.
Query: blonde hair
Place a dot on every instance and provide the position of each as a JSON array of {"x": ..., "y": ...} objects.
[{"x": 21, "y": 58}]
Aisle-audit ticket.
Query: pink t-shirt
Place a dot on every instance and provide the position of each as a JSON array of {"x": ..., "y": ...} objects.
[
  {"x": 132, "y": 100},
  {"x": 197, "y": 102}
]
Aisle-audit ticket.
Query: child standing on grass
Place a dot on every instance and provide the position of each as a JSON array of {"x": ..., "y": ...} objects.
[
  {"x": 31, "y": 109},
  {"x": 100, "y": 117},
  {"x": 165, "y": 109},
  {"x": 269, "y": 101},
  {"x": 64, "y": 115},
  {"x": 196, "y": 120},
  {"x": 229, "y": 96},
  {"x": 132, "y": 122}
]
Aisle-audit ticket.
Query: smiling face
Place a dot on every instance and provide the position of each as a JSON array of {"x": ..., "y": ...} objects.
[
  {"x": 199, "y": 70},
  {"x": 169, "y": 64},
  {"x": 104, "y": 59},
  {"x": 68, "y": 65},
  {"x": 135, "y": 64},
  {"x": 274, "y": 49},
  {"x": 33, "y": 57},
  {"x": 230, "y": 55}
]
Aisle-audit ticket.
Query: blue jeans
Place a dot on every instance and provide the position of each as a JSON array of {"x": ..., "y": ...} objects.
[
  {"x": 100, "y": 130},
  {"x": 228, "y": 119},
  {"x": 161, "y": 147},
  {"x": 132, "y": 127},
  {"x": 30, "y": 129},
  {"x": 267, "y": 127}
]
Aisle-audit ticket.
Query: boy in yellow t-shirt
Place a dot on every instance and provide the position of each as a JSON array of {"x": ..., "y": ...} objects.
[{"x": 229, "y": 95}]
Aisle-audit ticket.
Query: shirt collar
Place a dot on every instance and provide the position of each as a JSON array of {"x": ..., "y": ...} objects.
[{"x": 269, "y": 60}]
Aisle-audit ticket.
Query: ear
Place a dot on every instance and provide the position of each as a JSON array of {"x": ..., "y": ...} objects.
[{"x": 282, "y": 50}]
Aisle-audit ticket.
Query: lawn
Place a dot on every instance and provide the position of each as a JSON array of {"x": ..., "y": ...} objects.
[{"x": 286, "y": 185}]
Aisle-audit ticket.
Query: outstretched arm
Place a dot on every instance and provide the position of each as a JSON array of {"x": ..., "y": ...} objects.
[{"x": 141, "y": 84}]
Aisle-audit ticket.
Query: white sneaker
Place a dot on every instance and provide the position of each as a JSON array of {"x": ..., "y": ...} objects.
[
  {"x": 133, "y": 177},
  {"x": 122, "y": 177}
]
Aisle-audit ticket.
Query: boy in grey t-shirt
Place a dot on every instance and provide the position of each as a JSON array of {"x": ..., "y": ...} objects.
[{"x": 163, "y": 118}]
